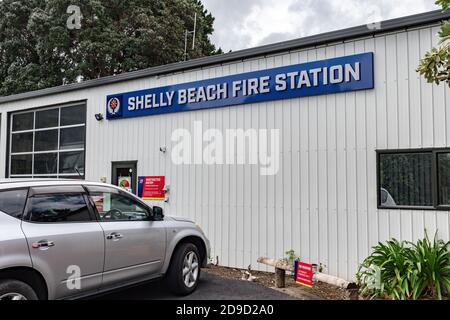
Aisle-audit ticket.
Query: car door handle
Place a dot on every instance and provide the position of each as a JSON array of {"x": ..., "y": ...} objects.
[
  {"x": 114, "y": 236},
  {"x": 43, "y": 245}
]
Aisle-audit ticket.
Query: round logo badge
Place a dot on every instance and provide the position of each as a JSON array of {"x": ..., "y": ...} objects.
[{"x": 113, "y": 106}]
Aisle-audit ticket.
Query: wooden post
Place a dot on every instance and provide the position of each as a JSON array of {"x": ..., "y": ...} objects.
[{"x": 280, "y": 278}]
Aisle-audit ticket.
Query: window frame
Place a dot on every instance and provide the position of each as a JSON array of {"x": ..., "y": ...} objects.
[
  {"x": 26, "y": 216},
  {"x": 434, "y": 178},
  {"x": 59, "y": 151},
  {"x": 92, "y": 189}
]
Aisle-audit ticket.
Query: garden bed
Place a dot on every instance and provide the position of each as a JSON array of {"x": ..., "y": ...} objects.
[{"x": 319, "y": 291}]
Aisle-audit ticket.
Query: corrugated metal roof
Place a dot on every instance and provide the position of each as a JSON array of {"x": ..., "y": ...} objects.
[{"x": 320, "y": 39}]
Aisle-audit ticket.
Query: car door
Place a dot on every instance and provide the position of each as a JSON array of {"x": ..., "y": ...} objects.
[
  {"x": 134, "y": 244},
  {"x": 65, "y": 240}
]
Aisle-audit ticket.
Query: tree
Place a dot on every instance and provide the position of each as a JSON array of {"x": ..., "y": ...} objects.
[
  {"x": 435, "y": 66},
  {"x": 38, "y": 50}
]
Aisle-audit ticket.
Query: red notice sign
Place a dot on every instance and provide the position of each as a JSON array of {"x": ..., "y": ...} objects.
[
  {"x": 153, "y": 188},
  {"x": 304, "y": 274}
]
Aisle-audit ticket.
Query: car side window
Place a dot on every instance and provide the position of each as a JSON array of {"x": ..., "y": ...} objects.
[
  {"x": 58, "y": 208},
  {"x": 12, "y": 202},
  {"x": 116, "y": 206}
]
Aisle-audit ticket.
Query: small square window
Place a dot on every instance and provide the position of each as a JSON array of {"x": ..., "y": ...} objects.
[
  {"x": 21, "y": 164},
  {"x": 23, "y": 121},
  {"x": 68, "y": 161},
  {"x": 22, "y": 142},
  {"x": 46, "y": 140},
  {"x": 45, "y": 163},
  {"x": 72, "y": 138},
  {"x": 73, "y": 115},
  {"x": 47, "y": 118}
]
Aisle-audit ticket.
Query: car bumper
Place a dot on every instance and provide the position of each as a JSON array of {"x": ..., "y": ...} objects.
[{"x": 208, "y": 253}]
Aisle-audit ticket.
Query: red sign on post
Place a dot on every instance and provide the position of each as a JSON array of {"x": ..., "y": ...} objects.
[
  {"x": 152, "y": 188},
  {"x": 304, "y": 274}
]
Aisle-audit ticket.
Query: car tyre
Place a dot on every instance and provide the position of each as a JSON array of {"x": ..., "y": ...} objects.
[
  {"x": 16, "y": 290},
  {"x": 184, "y": 271}
]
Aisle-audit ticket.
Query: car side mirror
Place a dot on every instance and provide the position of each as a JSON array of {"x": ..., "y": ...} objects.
[{"x": 158, "y": 213}]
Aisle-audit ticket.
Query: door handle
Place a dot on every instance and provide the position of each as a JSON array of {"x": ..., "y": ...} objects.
[
  {"x": 114, "y": 236},
  {"x": 43, "y": 245}
]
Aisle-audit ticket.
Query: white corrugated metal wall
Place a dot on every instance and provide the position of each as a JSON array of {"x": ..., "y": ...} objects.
[{"x": 323, "y": 202}]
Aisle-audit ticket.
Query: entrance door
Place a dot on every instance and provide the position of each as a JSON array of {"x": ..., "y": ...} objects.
[{"x": 124, "y": 175}]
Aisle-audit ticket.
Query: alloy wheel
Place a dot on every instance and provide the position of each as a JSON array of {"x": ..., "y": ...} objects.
[{"x": 190, "y": 269}]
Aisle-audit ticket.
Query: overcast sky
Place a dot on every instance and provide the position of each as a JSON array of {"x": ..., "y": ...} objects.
[{"x": 243, "y": 24}]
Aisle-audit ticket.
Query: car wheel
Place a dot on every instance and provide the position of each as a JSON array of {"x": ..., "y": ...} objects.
[
  {"x": 16, "y": 290},
  {"x": 184, "y": 272}
]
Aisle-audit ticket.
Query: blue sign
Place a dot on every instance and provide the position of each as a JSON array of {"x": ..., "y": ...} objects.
[{"x": 335, "y": 75}]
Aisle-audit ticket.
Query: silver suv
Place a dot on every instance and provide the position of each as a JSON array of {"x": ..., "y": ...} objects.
[{"x": 66, "y": 239}]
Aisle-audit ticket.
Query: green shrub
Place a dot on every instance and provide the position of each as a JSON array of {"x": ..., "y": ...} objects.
[
  {"x": 431, "y": 272},
  {"x": 385, "y": 271},
  {"x": 404, "y": 270}
]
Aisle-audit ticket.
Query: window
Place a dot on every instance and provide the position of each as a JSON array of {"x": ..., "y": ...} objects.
[
  {"x": 23, "y": 121},
  {"x": 12, "y": 202},
  {"x": 406, "y": 179},
  {"x": 414, "y": 179},
  {"x": 443, "y": 160},
  {"x": 47, "y": 118},
  {"x": 113, "y": 205},
  {"x": 21, "y": 164},
  {"x": 46, "y": 140},
  {"x": 59, "y": 208},
  {"x": 48, "y": 143}
]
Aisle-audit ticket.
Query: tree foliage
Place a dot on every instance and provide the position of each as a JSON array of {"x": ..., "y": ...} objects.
[
  {"x": 435, "y": 66},
  {"x": 38, "y": 50}
]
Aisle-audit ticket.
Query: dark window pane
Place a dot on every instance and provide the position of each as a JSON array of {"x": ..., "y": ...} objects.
[
  {"x": 406, "y": 179},
  {"x": 47, "y": 118},
  {"x": 22, "y": 142},
  {"x": 12, "y": 202},
  {"x": 72, "y": 138},
  {"x": 73, "y": 115},
  {"x": 444, "y": 178},
  {"x": 23, "y": 121},
  {"x": 45, "y": 163},
  {"x": 59, "y": 208},
  {"x": 68, "y": 161},
  {"x": 46, "y": 140},
  {"x": 21, "y": 164}
]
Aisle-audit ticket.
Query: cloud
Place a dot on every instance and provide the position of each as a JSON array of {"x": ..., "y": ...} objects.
[
  {"x": 276, "y": 37},
  {"x": 230, "y": 21},
  {"x": 247, "y": 23}
]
